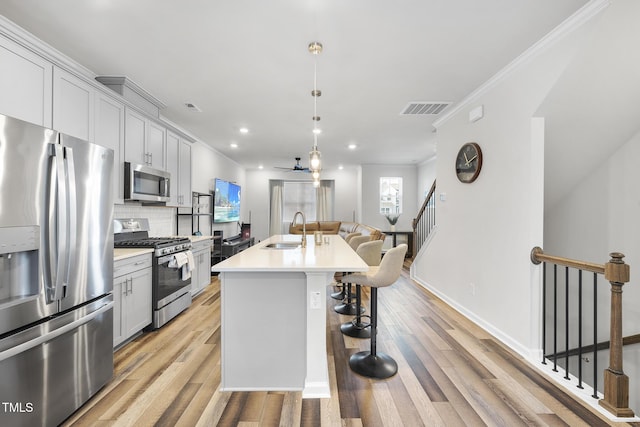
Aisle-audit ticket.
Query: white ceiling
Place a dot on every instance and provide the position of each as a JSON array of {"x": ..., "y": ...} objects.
[{"x": 245, "y": 63}]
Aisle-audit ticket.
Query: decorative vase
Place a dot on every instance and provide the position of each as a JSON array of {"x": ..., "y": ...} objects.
[{"x": 393, "y": 227}]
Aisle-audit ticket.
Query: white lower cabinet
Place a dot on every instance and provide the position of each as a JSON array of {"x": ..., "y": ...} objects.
[
  {"x": 201, "y": 274},
  {"x": 131, "y": 296}
]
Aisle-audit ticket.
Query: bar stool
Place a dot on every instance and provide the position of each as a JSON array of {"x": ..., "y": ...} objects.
[
  {"x": 370, "y": 252},
  {"x": 338, "y": 276},
  {"x": 349, "y": 307},
  {"x": 371, "y": 363}
]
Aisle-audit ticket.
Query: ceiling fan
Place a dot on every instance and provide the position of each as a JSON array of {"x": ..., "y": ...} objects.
[{"x": 296, "y": 168}]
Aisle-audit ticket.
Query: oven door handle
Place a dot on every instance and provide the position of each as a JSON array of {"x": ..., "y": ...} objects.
[{"x": 165, "y": 259}]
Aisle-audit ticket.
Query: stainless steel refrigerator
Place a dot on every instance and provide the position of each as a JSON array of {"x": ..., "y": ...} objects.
[{"x": 56, "y": 273}]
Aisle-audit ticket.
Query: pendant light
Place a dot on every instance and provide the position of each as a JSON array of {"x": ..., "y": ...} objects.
[{"x": 315, "y": 158}]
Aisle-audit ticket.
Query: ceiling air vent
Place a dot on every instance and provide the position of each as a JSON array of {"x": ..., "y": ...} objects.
[
  {"x": 424, "y": 108},
  {"x": 192, "y": 107}
]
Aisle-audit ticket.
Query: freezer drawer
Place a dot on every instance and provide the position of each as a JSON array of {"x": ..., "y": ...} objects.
[{"x": 50, "y": 370}]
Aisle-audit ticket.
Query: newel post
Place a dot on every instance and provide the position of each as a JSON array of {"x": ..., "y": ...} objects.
[{"x": 616, "y": 383}]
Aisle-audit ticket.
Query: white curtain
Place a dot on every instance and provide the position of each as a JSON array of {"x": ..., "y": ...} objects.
[
  {"x": 276, "y": 187},
  {"x": 324, "y": 201}
]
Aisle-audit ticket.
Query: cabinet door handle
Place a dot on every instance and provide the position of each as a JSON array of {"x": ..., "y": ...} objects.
[
  {"x": 139, "y": 262},
  {"x": 131, "y": 285}
]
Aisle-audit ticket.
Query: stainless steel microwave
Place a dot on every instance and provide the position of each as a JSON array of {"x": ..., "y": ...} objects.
[{"x": 146, "y": 184}]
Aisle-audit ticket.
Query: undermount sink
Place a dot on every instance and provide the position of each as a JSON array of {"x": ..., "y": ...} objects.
[{"x": 283, "y": 245}]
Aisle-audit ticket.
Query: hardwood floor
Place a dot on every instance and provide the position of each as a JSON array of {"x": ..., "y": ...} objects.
[{"x": 451, "y": 373}]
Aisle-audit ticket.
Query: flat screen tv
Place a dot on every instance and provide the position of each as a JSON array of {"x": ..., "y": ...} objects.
[{"x": 226, "y": 204}]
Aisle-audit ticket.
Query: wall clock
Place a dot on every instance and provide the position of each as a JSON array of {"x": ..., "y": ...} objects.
[{"x": 469, "y": 162}]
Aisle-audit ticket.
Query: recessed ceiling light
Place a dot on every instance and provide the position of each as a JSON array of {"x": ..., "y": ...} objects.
[
  {"x": 340, "y": 167},
  {"x": 233, "y": 145},
  {"x": 352, "y": 146},
  {"x": 317, "y": 131},
  {"x": 260, "y": 167},
  {"x": 244, "y": 131}
]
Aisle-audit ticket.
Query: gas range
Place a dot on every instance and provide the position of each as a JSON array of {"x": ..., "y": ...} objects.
[
  {"x": 162, "y": 245},
  {"x": 170, "y": 289},
  {"x": 134, "y": 233}
]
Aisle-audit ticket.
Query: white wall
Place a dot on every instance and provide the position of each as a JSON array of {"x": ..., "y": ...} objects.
[
  {"x": 478, "y": 260},
  {"x": 207, "y": 165},
  {"x": 256, "y": 195},
  {"x": 371, "y": 175},
  {"x": 426, "y": 175}
]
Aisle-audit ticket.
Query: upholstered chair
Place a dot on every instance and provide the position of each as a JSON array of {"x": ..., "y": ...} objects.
[
  {"x": 341, "y": 294},
  {"x": 371, "y": 253},
  {"x": 348, "y": 306},
  {"x": 374, "y": 364}
]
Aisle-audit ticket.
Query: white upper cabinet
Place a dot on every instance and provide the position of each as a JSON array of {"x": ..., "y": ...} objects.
[
  {"x": 157, "y": 145},
  {"x": 109, "y": 132},
  {"x": 25, "y": 84},
  {"x": 145, "y": 140},
  {"x": 173, "y": 149},
  {"x": 73, "y": 104},
  {"x": 135, "y": 137},
  {"x": 184, "y": 176},
  {"x": 179, "y": 165}
]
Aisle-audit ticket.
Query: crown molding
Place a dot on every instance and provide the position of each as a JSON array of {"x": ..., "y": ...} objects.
[
  {"x": 568, "y": 26},
  {"x": 30, "y": 42}
]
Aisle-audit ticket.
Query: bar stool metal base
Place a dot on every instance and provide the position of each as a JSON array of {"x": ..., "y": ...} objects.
[
  {"x": 350, "y": 309},
  {"x": 340, "y": 295},
  {"x": 355, "y": 330},
  {"x": 380, "y": 366}
]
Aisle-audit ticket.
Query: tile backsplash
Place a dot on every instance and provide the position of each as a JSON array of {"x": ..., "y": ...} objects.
[{"x": 162, "y": 220}]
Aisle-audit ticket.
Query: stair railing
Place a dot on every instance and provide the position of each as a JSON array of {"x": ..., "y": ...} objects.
[
  {"x": 616, "y": 383},
  {"x": 424, "y": 222}
]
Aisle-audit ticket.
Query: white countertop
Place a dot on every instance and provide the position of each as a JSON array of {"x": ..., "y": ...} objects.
[
  {"x": 195, "y": 239},
  {"x": 120, "y": 253},
  {"x": 335, "y": 256}
]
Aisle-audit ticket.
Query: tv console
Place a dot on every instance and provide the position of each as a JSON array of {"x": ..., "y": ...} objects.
[{"x": 235, "y": 244}]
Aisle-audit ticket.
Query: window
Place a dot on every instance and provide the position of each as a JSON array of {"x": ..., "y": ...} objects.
[
  {"x": 299, "y": 196},
  {"x": 390, "y": 195}
]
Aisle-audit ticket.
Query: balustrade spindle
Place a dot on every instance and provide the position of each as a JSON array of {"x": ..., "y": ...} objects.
[
  {"x": 544, "y": 313},
  {"x": 616, "y": 383},
  {"x": 566, "y": 323},
  {"x": 580, "y": 329},
  {"x": 595, "y": 336},
  {"x": 555, "y": 318}
]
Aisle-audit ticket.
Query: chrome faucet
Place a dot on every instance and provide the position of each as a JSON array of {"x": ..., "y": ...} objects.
[{"x": 304, "y": 227}]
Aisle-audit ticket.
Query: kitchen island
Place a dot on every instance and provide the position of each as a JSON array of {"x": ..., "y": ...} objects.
[{"x": 274, "y": 314}]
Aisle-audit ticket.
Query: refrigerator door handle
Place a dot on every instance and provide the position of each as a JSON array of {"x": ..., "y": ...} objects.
[
  {"x": 71, "y": 209},
  {"x": 57, "y": 237},
  {"x": 49, "y": 245},
  {"x": 21, "y": 348}
]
